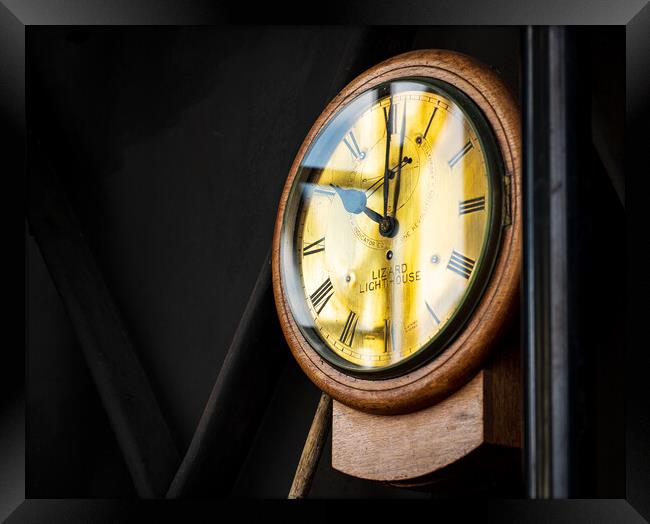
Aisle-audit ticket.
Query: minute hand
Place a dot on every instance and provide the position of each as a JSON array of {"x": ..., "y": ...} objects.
[
  {"x": 389, "y": 119},
  {"x": 398, "y": 177}
]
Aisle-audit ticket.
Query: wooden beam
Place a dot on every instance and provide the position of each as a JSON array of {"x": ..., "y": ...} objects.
[
  {"x": 252, "y": 366},
  {"x": 238, "y": 399},
  {"x": 133, "y": 411}
]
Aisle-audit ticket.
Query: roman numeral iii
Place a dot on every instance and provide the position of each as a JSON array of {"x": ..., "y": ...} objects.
[
  {"x": 347, "y": 336},
  {"x": 471, "y": 205},
  {"x": 460, "y": 264},
  {"x": 321, "y": 296},
  {"x": 314, "y": 247}
]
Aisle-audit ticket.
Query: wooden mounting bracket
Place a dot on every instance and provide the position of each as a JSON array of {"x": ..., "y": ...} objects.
[{"x": 484, "y": 413}]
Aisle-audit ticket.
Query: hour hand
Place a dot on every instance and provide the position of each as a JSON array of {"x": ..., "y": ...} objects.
[
  {"x": 354, "y": 201},
  {"x": 373, "y": 215}
]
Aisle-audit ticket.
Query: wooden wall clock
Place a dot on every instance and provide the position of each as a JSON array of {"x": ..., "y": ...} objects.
[{"x": 396, "y": 261}]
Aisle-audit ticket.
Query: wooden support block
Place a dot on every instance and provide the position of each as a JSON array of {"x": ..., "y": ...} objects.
[
  {"x": 484, "y": 413},
  {"x": 400, "y": 447}
]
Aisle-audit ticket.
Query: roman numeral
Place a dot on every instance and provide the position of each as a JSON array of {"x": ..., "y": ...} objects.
[
  {"x": 323, "y": 190},
  {"x": 430, "y": 120},
  {"x": 347, "y": 336},
  {"x": 353, "y": 146},
  {"x": 321, "y": 296},
  {"x": 386, "y": 332},
  {"x": 314, "y": 247},
  {"x": 393, "y": 125},
  {"x": 435, "y": 317},
  {"x": 391, "y": 117},
  {"x": 388, "y": 115},
  {"x": 471, "y": 205},
  {"x": 454, "y": 159},
  {"x": 460, "y": 264}
]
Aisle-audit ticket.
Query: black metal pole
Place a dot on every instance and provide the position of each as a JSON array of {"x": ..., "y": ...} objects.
[{"x": 549, "y": 154}]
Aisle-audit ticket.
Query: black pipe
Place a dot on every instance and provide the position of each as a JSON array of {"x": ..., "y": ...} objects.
[{"x": 550, "y": 168}]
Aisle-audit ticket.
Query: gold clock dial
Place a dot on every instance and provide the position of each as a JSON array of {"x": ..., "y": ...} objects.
[{"x": 393, "y": 227}]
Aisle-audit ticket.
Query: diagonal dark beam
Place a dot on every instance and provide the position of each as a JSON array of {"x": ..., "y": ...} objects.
[
  {"x": 125, "y": 391},
  {"x": 608, "y": 104},
  {"x": 238, "y": 399},
  {"x": 608, "y": 144},
  {"x": 254, "y": 361}
]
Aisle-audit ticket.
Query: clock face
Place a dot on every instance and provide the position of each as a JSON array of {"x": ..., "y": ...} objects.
[{"x": 392, "y": 226}]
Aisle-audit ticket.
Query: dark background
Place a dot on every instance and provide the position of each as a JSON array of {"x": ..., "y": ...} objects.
[{"x": 174, "y": 145}]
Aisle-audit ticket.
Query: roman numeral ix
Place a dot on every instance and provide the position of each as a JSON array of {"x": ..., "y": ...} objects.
[
  {"x": 471, "y": 205},
  {"x": 321, "y": 296},
  {"x": 347, "y": 336},
  {"x": 314, "y": 247},
  {"x": 460, "y": 264}
]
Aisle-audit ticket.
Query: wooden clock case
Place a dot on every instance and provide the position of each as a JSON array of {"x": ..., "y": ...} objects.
[{"x": 467, "y": 400}]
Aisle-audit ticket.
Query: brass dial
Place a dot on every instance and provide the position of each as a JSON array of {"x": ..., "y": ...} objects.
[{"x": 392, "y": 226}]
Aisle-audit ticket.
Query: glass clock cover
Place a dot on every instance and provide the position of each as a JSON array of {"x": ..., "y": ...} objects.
[{"x": 392, "y": 226}]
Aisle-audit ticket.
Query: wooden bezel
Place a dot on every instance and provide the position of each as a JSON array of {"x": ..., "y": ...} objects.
[{"x": 466, "y": 353}]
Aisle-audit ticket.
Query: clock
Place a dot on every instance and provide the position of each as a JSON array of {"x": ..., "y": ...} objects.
[{"x": 396, "y": 251}]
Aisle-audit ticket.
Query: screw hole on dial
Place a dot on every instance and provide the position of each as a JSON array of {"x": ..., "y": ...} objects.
[{"x": 389, "y": 255}]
